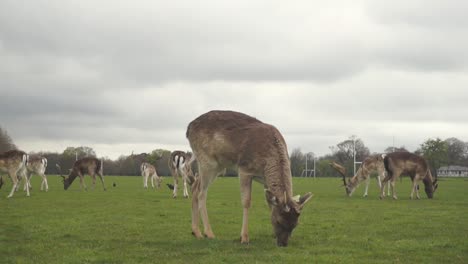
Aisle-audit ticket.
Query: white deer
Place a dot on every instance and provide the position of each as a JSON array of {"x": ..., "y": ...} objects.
[
  {"x": 221, "y": 139},
  {"x": 180, "y": 164},
  {"x": 36, "y": 165},
  {"x": 371, "y": 164},
  {"x": 149, "y": 171}
]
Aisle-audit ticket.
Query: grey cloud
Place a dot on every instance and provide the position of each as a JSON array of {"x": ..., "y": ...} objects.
[{"x": 133, "y": 73}]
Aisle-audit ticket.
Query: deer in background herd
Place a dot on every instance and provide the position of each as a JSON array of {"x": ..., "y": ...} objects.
[
  {"x": 14, "y": 162},
  {"x": 36, "y": 165},
  {"x": 89, "y": 165},
  {"x": 410, "y": 164},
  {"x": 222, "y": 139},
  {"x": 370, "y": 165},
  {"x": 180, "y": 164},
  {"x": 149, "y": 171}
]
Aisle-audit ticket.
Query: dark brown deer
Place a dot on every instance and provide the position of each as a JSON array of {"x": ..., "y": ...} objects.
[
  {"x": 410, "y": 164},
  {"x": 14, "y": 162},
  {"x": 221, "y": 139},
  {"x": 180, "y": 164},
  {"x": 88, "y": 165}
]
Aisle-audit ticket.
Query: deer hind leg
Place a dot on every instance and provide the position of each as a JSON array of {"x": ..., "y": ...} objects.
[
  {"x": 23, "y": 175},
  {"x": 44, "y": 183},
  {"x": 392, "y": 183},
  {"x": 27, "y": 183},
  {"x": 175, "y": 175},
  {"x": 246, "y": 197},
  {"x": 152, "y": 181},
  {"x": 186, "y": 194},
  {"x": 207, "y": 175},
  {"x": 382, "y": 187},
  {"x": 145, "y": 180}
]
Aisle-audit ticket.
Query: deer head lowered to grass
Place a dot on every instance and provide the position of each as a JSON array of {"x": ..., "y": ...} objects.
[
  {"x": 415, "y": 166},
  {"x": 221, "y": 139},
  {"x": 369, "y": 165},
  {"x": 89, "y": 165}
]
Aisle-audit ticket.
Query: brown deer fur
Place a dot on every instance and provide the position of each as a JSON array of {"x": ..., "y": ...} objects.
[
  {"x": 221, "y": 139},
  {"x": 88, "y": 165},
  {"x": 13, "y": 162},
  {"x": 413, "y": 165}
]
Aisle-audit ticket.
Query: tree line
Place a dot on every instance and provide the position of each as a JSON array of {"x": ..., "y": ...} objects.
[{"x": 438, "y": 152}]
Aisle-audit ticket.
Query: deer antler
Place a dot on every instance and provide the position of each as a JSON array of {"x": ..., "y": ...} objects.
[{"x": 338, "y": 167}]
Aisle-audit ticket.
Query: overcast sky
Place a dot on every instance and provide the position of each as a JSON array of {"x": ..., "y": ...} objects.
[{"x": 123, "y": 76}]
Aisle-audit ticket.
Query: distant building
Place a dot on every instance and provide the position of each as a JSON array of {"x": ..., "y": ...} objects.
[{"x": 453, "y": 171}]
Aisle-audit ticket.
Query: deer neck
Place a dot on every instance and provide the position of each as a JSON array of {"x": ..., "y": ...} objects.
[
  {"x": 71, "y": 177},
  {"x": 278, "y": 177}
]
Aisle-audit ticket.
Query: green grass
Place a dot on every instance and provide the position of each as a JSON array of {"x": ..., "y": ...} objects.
[{"x": 127, "y": 224}]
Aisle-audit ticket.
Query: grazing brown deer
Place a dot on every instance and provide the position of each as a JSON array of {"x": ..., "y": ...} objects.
[
  {"x": 369, "y": 165},
  {"x": 36, "y": 165},
  {"x": 180, "y": 164},
  {"x": 88, "y": 165},
  {"x": 14, "y": 162},
  {"x": 149, "y": 171},
  {"x": 413, "y": 165},
  {"x": 221, "y": 139}
]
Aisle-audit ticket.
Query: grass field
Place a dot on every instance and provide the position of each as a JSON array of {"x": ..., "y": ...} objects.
[{"x": 128, "y": 224}]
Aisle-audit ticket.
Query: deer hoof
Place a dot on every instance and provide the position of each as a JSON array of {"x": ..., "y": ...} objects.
[
  {"x": 197, "y": 234},
  {"x": 209, "y": 235}
]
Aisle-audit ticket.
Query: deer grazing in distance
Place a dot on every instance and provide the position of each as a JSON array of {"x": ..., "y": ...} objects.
[
  {"x": 89, "y": 165},
  {"x": 14, "y": 162},
  {"x": 370, "y": 165},
  {"x": 149, "y": 171},
  {"x": 36, "y": 165},
  {"x": 222, "y": 139},
  {"x": 180, "y": 164},
  {"x": 413, "y": 165}
]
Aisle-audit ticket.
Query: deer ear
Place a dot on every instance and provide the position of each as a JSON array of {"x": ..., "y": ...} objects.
[{"x": 271, "y": 198}]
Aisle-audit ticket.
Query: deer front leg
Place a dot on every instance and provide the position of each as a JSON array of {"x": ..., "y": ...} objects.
[
  {"x": 44, "y": 183},
  {"x": 246, "y": 196},
  {"x": 367, "y": 186},
  {"x": 195, "y": 211},
  {"x": 94, "y": 181},
  {"x": 101, "y": 177},
  {"x": 176, "y": 182},
  {"x": 82, "y": 183},
  {"x": 392, "y": 183}
]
